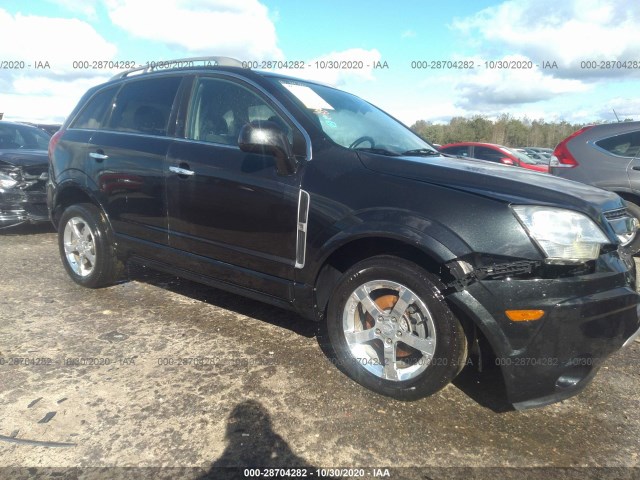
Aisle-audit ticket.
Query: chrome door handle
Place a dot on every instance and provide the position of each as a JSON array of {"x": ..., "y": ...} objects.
[
  {"x": 182, "y": 171},
  {"x": 98, "y": 156}
]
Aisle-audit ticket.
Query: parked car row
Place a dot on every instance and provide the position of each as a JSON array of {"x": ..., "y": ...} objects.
[
  {"x": 495, "y": 153},
  {"x": 312, "y": 199},
  {"x": 606, "y": 156},
  {"x": 539, "y": 153}
]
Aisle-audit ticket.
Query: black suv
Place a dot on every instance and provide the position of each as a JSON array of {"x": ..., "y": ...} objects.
[{"x": 312, "y": 199}]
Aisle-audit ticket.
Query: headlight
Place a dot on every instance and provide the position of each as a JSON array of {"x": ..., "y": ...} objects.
[
  {"x": 564, "y": 236},
  {"x": 6, "y": 181}
]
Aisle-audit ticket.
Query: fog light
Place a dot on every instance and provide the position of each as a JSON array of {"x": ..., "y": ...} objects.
[{"x": 524, "y": 315}]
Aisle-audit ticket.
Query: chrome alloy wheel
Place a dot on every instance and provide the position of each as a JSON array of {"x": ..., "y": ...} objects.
[
  {"x": 79, "y": 246},
  {"x": 389, "y": 330}
]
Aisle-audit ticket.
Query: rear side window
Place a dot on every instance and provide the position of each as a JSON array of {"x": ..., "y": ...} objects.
[
  {"x": 625, "y": 145},
  {"x": 96, "y": 110},
  {"x": 144, "y": 106}
]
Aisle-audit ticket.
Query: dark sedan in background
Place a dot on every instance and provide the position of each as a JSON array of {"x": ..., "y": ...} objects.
[
  {"x": 50, "y": 128},
  {"x": 23, "y": 174}
]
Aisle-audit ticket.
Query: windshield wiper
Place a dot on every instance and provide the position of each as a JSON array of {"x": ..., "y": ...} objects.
[
  {"x": 421, "y": 152},
  {"x": 380, "y": 151}
]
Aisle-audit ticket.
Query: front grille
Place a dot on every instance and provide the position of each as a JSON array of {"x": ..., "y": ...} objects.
[
  {"x": 615, "y": 214},
  {"x": 35, "y": 170}
]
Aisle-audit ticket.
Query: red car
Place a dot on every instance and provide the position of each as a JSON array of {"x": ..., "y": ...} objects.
[{"x": 494, "y": 153}]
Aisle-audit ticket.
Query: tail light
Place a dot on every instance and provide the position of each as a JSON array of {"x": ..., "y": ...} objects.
[
  {"x": 54, "y": 141},
  {"x": 562, "y": 157}
]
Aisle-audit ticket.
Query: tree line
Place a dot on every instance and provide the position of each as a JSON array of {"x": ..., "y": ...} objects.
[{"x": 506, "y": 130}]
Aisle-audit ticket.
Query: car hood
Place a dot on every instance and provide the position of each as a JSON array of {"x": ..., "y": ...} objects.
[
  {"x": 23, "y": 158},
  {"x": 500, "y": 182}
]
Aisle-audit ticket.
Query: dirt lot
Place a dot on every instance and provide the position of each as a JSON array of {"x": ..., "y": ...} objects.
[{"x": 162, "y": 372}]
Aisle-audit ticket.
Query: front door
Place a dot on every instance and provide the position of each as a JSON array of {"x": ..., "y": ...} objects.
[{"x": 230, "y": 212}]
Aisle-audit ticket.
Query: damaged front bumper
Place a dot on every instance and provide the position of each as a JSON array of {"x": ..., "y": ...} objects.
[
  {"x": 22, "y": 206},
  {"x": 586, "y": 319},
  {"x": 23, "y": 197}
]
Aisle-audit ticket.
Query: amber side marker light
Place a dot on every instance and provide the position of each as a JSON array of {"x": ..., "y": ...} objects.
[{"x": 524, "y": 315}]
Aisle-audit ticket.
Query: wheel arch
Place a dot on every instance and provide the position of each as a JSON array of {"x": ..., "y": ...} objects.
[
  {"x": 629, "y": 196},
  {"x": 355, "y": 250},
  {"x": 70, "y": 194}
]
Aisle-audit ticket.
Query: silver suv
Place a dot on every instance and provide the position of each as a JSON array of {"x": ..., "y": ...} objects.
[{"x": 607, "y": 156}]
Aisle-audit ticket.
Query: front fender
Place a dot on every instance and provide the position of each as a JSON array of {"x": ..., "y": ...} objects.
[{"x": 430, "y": 237}]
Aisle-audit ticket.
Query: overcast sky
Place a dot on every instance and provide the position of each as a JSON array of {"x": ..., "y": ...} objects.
[{"x": 570, "y": 36}]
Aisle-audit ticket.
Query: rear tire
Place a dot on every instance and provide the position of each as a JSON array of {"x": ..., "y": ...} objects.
[
  {"x": 392, "y": 331},
  {"x": 86, "y": 247}
]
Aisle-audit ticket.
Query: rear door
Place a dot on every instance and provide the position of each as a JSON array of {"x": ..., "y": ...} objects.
[
  {"x": 605, "y": 160},
  {"x": 127, "y": 158},
  {"x": 232, "y": 212},
  {"x": 77, "y": 138},
  {"x": 624, "y": 150}
]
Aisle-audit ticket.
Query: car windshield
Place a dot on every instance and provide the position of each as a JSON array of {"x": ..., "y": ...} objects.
[
  {"x": 353, "y": 123},
  {"x": 22, "y": 136}
]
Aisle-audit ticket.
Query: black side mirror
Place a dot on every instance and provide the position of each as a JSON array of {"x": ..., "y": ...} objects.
[{"x": 267, "y": 137}]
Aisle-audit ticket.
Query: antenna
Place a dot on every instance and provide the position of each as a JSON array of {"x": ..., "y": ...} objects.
[{"x": 614, "y": 112}]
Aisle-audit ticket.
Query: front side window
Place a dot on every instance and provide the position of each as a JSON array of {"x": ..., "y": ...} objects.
[
  {"x": 625, "y": 145},
  {"x": 144, "y": 106},
  {"x": 353, "y": 123},
  {"x": 220, "y": 108}
]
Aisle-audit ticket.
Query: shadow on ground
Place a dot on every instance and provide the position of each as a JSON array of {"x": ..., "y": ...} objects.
[
  {"x": 253, "y": 444},
  {"x": 229, "y": 301},
  {"x": 486, "y": 388}
]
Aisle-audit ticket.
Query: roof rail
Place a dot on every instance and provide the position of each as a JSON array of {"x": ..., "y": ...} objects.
[{"x": 181, "y": 62}]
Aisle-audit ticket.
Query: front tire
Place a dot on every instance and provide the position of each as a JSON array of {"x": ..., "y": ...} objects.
[
  {"x": 391, "y": 330},
  {"x": 86, "y": 248}
]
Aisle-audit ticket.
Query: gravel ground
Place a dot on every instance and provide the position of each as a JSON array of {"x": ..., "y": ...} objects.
[{"x": 166, "y": 378}]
